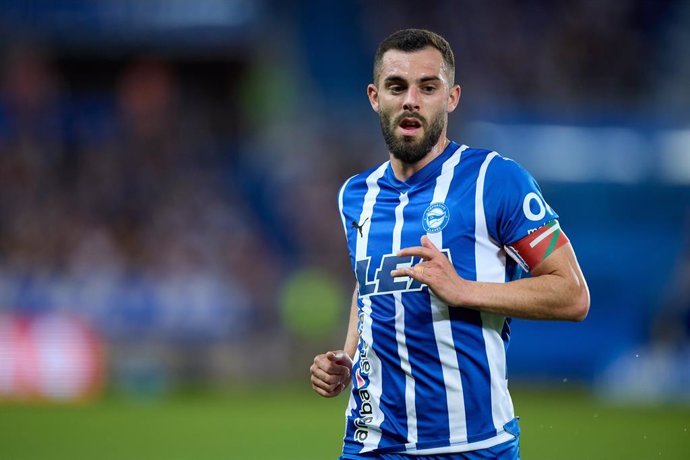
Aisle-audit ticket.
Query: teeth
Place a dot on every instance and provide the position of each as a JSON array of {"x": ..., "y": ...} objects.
[{"x": 410, "y": 124}]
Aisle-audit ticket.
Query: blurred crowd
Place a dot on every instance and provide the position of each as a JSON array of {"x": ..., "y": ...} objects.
[
  {"x": 169, "y": 199},
  {"x": 121, "y": 205},
  {"x": 557, "y": 58}
]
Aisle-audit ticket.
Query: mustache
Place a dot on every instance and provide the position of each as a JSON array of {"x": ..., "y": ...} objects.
[{"x": 404, "y": 115}]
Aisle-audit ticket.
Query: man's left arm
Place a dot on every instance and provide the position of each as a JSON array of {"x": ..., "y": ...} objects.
[{"x": 556, "y": 291}]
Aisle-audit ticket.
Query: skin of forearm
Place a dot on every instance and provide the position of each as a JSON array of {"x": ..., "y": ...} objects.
[
  {"x": 545, "y": 297},
  {"x": 352, "y": 338}
]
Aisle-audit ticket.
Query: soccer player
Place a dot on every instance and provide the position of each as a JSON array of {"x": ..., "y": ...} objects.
[{"x": 440, "y": 238}]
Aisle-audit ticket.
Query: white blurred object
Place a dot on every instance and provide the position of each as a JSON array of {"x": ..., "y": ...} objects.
[
  {"x": 650, "y": 374},
  {"x": 48, "y": 357},
  {"x": 602, "y": 154},
  {"x": 675, "y": 156}
]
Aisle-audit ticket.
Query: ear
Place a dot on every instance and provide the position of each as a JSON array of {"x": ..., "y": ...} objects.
[
  {"x": 373, "y": 94},
  {"x": 454, "y": 98}
]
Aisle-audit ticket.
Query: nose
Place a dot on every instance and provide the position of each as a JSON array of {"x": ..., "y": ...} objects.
[{"x": 411, "y": 102}]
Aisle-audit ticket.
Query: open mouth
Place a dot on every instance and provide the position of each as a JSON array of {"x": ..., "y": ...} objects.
[{"x": 410, "y": 126}]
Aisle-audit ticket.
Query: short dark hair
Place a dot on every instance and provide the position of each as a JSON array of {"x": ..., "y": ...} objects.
[{"x": 410, "y": 40}]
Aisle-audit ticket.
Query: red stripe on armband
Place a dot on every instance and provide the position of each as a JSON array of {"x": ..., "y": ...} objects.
[{"x": 538, "y": 245}]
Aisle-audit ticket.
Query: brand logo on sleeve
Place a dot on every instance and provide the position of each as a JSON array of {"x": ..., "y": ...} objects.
[
  {"x": 359, "y": 227},
  {"x": 435, "y": 217}
]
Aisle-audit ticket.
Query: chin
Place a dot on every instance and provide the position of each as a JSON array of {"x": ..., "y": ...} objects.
[{"x": 409, "y": 156}]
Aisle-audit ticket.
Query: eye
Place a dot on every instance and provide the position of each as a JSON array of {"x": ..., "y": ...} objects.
[
  {"x": 396, "y": 89},
  {"x": 428, "y": 89}
]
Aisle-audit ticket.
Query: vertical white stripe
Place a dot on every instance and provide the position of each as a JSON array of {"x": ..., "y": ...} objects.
[
  {"x": 367, "y": 209},
  {"x": 489, "y": 256},
  {"x": 351, "y": 405},
  {"x": 375, "y": 380},
  {"x": 340, "y": 203},
  {"x": 399, "y": 221},
  {"x": 400, "y": 331},
  {"x": 491, "y": 264},
  {"x": 441, "y": 320}
]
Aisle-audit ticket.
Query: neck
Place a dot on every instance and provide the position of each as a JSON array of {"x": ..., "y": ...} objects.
[{"x": 404, "y": 171}]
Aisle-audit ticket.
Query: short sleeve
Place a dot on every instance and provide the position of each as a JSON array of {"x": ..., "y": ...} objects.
[{"x": 513, "y": 203}]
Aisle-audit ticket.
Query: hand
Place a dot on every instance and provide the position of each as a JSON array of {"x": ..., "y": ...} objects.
[
  {"x": 331, "y": 373},
  {"x": 435, "y": 270}
]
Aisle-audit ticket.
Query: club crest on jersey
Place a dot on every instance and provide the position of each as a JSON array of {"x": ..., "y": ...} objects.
[{"x": 435, "y": 217}]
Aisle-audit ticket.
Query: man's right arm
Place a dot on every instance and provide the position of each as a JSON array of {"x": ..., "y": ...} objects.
[
  {"x": 352, "y": 338},
  {"x": 331, "y": 371}
]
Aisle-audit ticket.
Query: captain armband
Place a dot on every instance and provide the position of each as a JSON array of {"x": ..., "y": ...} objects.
[{"x": 538, "y": 245}]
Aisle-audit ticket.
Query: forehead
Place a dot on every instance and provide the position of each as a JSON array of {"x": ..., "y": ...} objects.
[{"x": 427, "y": 62}]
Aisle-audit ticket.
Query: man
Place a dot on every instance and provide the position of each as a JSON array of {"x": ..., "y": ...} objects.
[{"x": 429, "y": 324}]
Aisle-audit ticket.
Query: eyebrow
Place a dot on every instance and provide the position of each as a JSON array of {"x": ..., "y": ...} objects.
[{"x": 398, "y": 78}]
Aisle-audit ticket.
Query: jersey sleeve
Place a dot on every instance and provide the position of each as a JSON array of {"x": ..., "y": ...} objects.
[
  {"x": 513, "y": 202},
  {"x": 341, "y": 204},
  {"x": 345, "y": 210}
]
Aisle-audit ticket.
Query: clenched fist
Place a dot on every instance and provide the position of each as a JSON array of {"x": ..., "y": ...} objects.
[{"x": 331, "y": 373}]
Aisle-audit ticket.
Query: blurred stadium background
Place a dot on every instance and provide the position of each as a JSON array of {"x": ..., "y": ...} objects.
[{"x": 171, "y": 256}]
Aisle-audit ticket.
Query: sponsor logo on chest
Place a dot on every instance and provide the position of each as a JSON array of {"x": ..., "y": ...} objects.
[{"x": 384, "y": 282}]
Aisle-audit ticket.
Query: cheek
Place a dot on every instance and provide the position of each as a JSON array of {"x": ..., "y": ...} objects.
[
  {"x": 441, "y": 110},
  {"x": 386, "y": 114},
  {"x": 385, "y": 107}
]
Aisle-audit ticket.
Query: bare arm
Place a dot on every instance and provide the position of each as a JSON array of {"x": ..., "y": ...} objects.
[
  {"x": 331, "y": 371},
  {"x": 557, "y": 289},
  {"x": 352, "y": 338}
]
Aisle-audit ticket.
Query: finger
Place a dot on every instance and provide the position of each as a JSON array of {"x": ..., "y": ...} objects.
[
  {"x": 331, "y": 360},
  {"x": 399, "y": 272},
  {"x": 426, "y": 242},
  {"x": 324, "y": 393},
  {"x": 339, "y": 357},
  {"x": 416, "y": 251},
  {"x": 416, "y": 272},
  {"x": 331, "y": 364},
  {"x": 329, "y": 371},
  {"x": 326, "y": 381},
  {"x": 319, "y": 384},
  {"x": 325, "y": 388},
  {"x": 327, "y": 377}
]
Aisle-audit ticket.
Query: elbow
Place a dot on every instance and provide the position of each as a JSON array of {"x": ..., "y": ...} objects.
[{"x": 579, "y": 308}]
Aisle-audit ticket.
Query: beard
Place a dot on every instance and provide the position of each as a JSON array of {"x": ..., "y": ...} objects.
[{"x": 405, "y": 148}]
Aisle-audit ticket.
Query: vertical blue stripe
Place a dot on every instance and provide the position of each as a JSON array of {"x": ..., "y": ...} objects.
[
  {"x": 505, "y": 335},
  {"x": 476, "y": 377},
  {"x": 430, "y": 393},
  {"x": 393, "y": 379}
]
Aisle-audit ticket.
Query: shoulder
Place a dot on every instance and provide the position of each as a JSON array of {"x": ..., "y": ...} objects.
[
  {"x": 500, "y": 168},
  {"x": 493, "y": 166},
  {"x": 354, "y": 189},
  {"x": 473, "y": 154},
  {"x": 360, "y": 181}
]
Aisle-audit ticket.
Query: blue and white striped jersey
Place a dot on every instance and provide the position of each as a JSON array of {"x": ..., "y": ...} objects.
[{"x": 429, "y": 378}]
